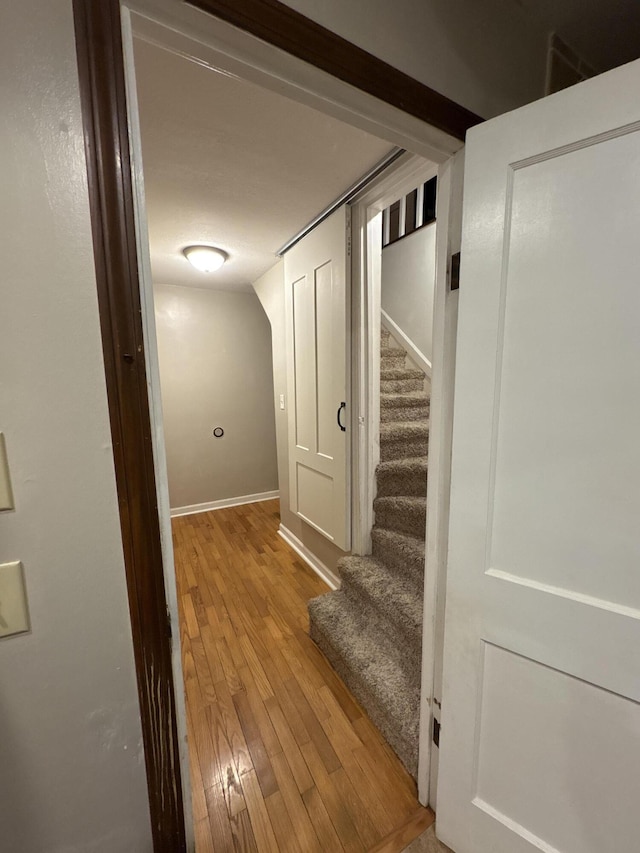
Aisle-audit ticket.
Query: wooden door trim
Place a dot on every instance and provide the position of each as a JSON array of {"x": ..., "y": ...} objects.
[
  {"x": 281, "y": 26},
  {"x": 111, "y": 199}
]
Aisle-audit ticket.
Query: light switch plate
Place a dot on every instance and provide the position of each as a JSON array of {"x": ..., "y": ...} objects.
[
  {"x": 6, "y": 493},
  {"x": 14, "y": 612}
]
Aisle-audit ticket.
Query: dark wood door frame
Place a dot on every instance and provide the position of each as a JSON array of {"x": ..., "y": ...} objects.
[
  {"x": 111, "y": 196},
  {"x": 104, "y": 111}
]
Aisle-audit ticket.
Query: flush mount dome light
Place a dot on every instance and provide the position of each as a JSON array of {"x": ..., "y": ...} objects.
[{"x": 205, "y": 258}]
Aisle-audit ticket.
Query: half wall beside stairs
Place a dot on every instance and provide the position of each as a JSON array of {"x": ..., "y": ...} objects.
[{"x": 371, "y": 628}]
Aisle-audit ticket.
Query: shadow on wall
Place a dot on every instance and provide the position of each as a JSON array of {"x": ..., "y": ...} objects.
[{"x": 18, "y": 791}]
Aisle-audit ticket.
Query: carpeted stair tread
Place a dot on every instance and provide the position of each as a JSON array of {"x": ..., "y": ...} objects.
[
  {"x": 400, "y": 385},
  {"x": 372, "y": 669},
  {"x": 401, "y": 401},
  {"x": 396, "y": 380},
  {"x": 402, "y": 514},
  {"x": 406, "y": 476},
  {"x": 410, "y": 406},
  {"x": 393, "y": 599},
  {"x": 403, "y": 430},
  {"x": 392, "y": 352},
  {"x": 400, "y": 551},
  {"x": 402, "y": 439},
  {"x": 400, "y": 373},
  {"x": 393, "y": 361},
  {"x": 417, "y": 463}
]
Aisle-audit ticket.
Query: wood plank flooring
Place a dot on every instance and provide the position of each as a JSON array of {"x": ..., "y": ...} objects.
[{"x": 282, "y": 756}]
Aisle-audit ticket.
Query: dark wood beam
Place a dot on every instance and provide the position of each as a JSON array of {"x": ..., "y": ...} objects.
[{"x": 281, "y": 26}]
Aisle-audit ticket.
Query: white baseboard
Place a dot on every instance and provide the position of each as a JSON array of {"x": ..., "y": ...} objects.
[
  {"x": 421, "y": 360},
  {"x": 223, "y": 504},
  {"x": 310, "y": 558}
]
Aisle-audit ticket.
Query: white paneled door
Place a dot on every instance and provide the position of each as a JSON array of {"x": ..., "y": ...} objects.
[
  {"x": 317, "y": 286},
  {"x": 540, "y": 741}
]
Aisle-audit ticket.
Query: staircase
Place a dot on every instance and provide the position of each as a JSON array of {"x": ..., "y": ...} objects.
[{"x": 371, "y": 628}]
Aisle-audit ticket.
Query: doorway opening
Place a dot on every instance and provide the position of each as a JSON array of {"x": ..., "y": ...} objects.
[
  {"x": 225, "y": 372},
  {"x": 364, "y": 239}
]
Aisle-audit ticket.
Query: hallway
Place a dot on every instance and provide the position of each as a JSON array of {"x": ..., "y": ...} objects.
[{"x": 282, "y": 757}]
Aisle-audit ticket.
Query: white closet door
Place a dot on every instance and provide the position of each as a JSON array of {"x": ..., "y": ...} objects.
[
  {"x": 317, "y": 289},
  {"x": 540, "y": 740}
]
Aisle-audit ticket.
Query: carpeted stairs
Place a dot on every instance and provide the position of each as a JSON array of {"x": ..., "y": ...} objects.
[{"x": 371, "y": 628}]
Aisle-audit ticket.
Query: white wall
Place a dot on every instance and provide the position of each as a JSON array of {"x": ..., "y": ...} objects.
[
  {"x": 215, "y": 370},
  {"x": 489, "y": 56},
  {"x": 72, "y": 774},
  {"x": 270, "y": 290},
  {"x": 408, "y": 279}
]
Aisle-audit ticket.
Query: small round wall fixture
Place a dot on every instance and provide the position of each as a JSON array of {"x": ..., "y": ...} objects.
[
  {"x": 218, "y": 432},
  {"x": 205, "y": 258}
]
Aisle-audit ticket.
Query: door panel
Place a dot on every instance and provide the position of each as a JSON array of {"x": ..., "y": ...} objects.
[
  {"x": 324, "y": 355},
  {"x": 541, "y": 721},
  {"x": 549, "y": 464},
  {"x": 315, "y": 496},
  {"x": 316, "y": 282},
  {"x": 535, "y": 717},
  {"x": 303, "y": 400}
]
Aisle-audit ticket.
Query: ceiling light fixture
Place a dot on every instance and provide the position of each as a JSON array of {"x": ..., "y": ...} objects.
[{"x": 205, "y": 258}]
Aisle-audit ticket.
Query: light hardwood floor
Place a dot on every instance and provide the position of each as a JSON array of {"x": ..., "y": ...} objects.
[{"x": 282, "y": 756}]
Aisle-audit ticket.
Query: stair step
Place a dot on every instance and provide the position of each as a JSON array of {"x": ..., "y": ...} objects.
[
  {"x": 398, "y": 401},
  {"x": 390, "y": 357},
  {"x": 401, "y": 385},
  {"x": 404, "y": 407},
  {"x": 395, "y": 380},
  {"x": 399, "y": 414},
  {"x": 392, "y": 599},
  {"x": 402, "y": 477},
  {"x": 402, "y": 514},
  {"x": 385, "y": 337},
  {"x": 392, "y": 352},
  {"x": 369, "y": 665},
  {"x": 400, "y": 551},
  {"x": 404, "y": 439},
  {"x": 401, "y": 373}
]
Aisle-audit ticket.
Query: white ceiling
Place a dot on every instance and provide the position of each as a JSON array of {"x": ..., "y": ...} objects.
[{"x": 232, "y": 165}]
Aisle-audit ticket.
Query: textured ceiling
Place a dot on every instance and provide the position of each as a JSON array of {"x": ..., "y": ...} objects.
[{"x": 230, "y": 164}]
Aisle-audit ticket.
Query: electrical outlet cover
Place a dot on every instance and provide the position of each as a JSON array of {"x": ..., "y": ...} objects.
[
  {"x": 14, "y": 613},
  {"x": 6, "y": 493}
]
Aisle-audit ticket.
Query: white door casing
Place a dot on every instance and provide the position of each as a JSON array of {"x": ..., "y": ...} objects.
[
  {"x": 317, "y": 275},
  {"x": 540, "y": 740},
  {"x": 445, "y": 316}
]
